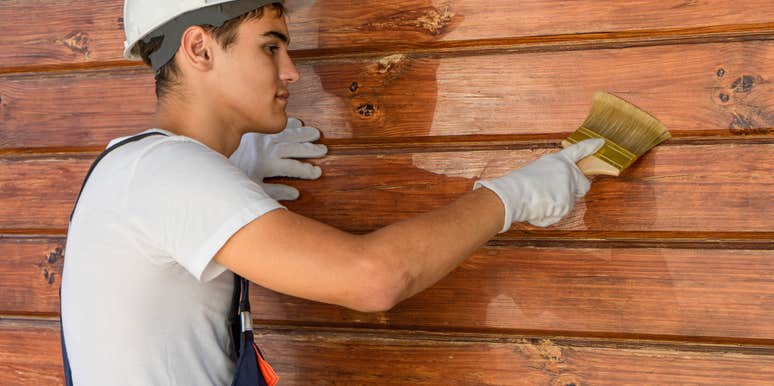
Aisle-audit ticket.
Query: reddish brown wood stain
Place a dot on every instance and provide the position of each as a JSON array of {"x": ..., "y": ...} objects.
[
  {"x": 661, "y": 276},
  {"x": 599, "y": 291},
  {"x": 362, "y": 358},
  {"x": 401, "y": 96},
  {"x": 93, "y": 31}
]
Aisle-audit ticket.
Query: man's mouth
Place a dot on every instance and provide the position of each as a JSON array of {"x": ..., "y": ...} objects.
[{"x": 283, "y": 95}]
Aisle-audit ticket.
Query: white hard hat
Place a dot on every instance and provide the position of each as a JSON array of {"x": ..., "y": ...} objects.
[{"x": 145, "y": 19}]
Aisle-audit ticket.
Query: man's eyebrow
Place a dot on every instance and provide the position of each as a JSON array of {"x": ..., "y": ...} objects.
[{"x": 279, "y": 35}]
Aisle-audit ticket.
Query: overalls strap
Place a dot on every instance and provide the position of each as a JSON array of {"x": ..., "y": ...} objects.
[{"x": 66, "y": 361}]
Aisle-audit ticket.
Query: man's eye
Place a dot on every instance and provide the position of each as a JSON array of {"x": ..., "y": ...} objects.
[{"x": 272, "y": 49}]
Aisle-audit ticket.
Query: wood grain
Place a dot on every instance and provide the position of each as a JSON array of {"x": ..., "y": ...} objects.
[
  {"x": 386, "y": 360},
  {"x": 661, "y": 276},
  {"x": 672, "y": 188},
  {"x": 92, "y": 32},
  {"x": 31, "y": 356},
  {"x": 699, "y": 295},
  {"x": 30, "y": 275},
  {"x": 688, "y": 294},
  {"x": 705, "y": 89},
  {"x": 30, "y": 353}
]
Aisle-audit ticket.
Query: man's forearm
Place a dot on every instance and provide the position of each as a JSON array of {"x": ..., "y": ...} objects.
[{"x": 424, "y": 249}]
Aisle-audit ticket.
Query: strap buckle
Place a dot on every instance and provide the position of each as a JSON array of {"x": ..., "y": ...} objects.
[{"x": 247, "y": 321}]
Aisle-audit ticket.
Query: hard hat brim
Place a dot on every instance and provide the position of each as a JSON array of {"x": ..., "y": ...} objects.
[{"x": 131, "y": 49}]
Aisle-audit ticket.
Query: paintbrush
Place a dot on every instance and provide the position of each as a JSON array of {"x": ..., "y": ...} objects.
[{"x": 628, "y": 133}]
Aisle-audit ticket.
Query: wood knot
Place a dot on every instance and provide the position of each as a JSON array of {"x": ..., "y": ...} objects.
[
  {"x": 52, "y": 264},
  {"x": 543, "y": 349},
  {"x": 366, "y": 110},
  {"x": 429, "y": 20},
  {"x": 389, "y": 63},
  {"x": 77, "y": 42},
  {"x": 55, "y": 255},
  {"x": 549, "y": 351},
  {"x": 744, "y": 83},
  {"x": 566, "y": 379},
  {"x": 435, "y": 20}
]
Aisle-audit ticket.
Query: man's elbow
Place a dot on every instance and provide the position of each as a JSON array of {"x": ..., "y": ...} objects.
[{"x": 383, "y": 287}]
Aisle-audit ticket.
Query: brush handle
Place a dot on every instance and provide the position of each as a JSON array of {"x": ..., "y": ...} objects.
[{"x": 593, "y": 166}]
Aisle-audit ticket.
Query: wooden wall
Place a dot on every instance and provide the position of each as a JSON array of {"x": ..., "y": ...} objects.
[{"x": 662, "y": 276}]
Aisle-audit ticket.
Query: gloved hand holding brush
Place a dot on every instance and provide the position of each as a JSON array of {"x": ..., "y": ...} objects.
[
  {"x": 271, "y": 155},
  {"x": 544, "y": 191}
]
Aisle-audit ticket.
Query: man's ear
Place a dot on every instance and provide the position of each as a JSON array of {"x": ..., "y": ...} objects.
[{"x": 196, "y": 47}]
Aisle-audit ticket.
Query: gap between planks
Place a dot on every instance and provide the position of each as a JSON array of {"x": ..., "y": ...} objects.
[
  {"x": 340, "y": 332},
  {"x": 404, "y": 145},
  {"x": 537, "y": 239}
]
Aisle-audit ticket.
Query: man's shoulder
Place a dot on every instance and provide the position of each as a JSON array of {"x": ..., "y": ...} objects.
[{"x": 181, "y": 163}]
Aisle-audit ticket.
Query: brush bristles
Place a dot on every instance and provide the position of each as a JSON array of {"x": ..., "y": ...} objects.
[{"x": 625, "y": 124}]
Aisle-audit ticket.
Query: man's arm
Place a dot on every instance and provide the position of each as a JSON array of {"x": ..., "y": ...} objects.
[{"x": 298, "y": 256}]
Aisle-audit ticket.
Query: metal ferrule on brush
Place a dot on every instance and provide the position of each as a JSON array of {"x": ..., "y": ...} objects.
[{"x": 611, "y": 153}]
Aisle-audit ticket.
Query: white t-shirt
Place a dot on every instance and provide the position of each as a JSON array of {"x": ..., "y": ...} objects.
[{"x": 143, "y": 302}]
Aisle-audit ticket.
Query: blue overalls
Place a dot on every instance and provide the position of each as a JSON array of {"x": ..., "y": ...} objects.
[{"x": 251, "y": 368}]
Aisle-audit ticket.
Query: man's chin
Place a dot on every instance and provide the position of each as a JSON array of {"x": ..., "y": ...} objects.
[
  {"x": 272, "y": 127},
  {"x": 280, "y": 126}
]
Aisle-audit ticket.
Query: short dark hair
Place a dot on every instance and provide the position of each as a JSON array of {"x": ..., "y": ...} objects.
[{"x": 225, "y": 35}]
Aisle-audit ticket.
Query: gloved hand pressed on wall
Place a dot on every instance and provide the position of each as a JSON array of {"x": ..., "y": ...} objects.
[
  {"x": 544, "y": 191},
  {"x": 271, "y": 155}
]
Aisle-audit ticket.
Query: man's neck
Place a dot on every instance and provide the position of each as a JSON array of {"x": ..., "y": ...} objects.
[{"x": 196, "y": 120}]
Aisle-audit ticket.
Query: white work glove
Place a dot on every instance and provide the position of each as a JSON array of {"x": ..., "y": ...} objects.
[
  {"x": 544, "y": 191},
  {"x": 271, "y": 155}
]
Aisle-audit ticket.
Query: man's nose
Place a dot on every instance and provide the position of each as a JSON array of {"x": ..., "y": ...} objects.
[{"x": 288, "y": 70}]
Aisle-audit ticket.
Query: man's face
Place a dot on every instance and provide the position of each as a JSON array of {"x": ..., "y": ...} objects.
[{"x": 251, "y": 77}]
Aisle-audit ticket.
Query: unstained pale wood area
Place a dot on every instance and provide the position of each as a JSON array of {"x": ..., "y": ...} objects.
[{"x": 664, "y": 275}]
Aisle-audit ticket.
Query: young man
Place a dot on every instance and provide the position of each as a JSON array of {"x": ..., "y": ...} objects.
[{"x": 164, "y": 221}]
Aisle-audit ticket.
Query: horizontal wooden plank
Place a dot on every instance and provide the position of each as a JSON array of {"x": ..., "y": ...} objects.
[
  {"x": 29, "y": 355},
  {"x": 538, "y": 93},
  {"x": 703, "y": 295},
  {"x": 311, "y": 358},
  {"x": 88, "y": 32},
  {"x": 696, "y": 294},
  {"x": 672, "y": 188},
  {"x": 692, "y": 188},
  {"x": 719, "y": 89}
]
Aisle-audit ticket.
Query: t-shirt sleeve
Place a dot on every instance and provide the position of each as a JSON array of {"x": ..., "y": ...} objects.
[{"x": 188, "y": 200}]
